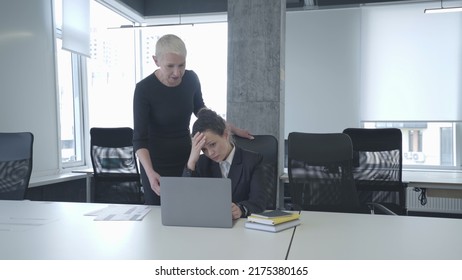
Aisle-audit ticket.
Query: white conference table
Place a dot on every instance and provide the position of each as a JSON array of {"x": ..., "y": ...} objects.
[
  {"x": 60, "y": 230},
  {"x": 32, "y": 230},
  {"x": 334, "y": 236}
]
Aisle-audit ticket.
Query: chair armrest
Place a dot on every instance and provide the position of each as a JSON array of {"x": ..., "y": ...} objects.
[{"x": 373, "y": 205}]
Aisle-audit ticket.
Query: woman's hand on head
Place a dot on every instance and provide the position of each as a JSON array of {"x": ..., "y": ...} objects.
[{"x": 198, "y": 142}]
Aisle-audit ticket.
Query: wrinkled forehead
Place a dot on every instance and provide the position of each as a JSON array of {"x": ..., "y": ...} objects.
[{"x": 172, "y": 58}]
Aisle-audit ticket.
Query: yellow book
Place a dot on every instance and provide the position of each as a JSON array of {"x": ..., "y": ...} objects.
[{"x": 273, "y": 217}]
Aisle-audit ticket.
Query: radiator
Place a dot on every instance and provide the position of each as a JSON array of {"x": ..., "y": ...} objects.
[{"x": 439, "y": 201}]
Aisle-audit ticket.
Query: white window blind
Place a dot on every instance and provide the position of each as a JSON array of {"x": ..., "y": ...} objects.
[
  {"x": 411, "y": 64},
  {"x": 76, "y": 26}
]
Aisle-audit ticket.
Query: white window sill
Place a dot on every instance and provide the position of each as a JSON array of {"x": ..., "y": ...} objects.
[{"x": 53, "y": 179}]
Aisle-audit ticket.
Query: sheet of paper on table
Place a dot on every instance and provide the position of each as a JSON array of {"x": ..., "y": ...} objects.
[{"x": 120, "y": 213}]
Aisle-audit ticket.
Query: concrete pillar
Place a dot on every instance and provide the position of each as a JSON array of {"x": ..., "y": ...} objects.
[{"x": 256, "y": 61}]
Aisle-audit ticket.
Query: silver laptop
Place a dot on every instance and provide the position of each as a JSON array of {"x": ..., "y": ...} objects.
[{"x": 196, "y": 202}]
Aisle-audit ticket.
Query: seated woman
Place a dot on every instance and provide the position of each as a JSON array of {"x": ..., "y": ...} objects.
[{"x": 221, "y": 158}]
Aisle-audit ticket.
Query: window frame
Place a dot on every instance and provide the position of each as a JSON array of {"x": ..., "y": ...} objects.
[{"x": 78, "y": 65}]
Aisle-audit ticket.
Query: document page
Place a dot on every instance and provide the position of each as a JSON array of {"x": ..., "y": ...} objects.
[{"x": 120, "y": 213}]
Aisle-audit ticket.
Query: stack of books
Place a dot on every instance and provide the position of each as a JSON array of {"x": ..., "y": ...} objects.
[{"x": 274, "y": 221}]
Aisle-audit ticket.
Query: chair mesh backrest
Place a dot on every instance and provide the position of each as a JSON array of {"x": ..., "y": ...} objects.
[
  {"x": 377, "y": 164},
  {"x": 116, "y": 173},
  {"x": 15, "y": 164},
  {"x": 267, "y": 146},
  {"x": 112, "y": 151},
  {"x": 114, "y": 160},
  {"x": 320, "y": 172}
]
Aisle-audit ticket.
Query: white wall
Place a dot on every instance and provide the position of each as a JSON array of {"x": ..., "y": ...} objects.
[
  {"x": 322, "y": 70},
  {"x": 27, "y": 78}
]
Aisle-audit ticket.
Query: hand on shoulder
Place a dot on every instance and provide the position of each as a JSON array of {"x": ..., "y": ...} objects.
[{"x": 241, "y": 132}]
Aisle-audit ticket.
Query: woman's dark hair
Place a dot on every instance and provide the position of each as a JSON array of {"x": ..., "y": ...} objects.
[{"x": 209, "y": 120}]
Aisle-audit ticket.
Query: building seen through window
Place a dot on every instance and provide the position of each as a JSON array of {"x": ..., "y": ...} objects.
[{"x": 427, "y": 144}]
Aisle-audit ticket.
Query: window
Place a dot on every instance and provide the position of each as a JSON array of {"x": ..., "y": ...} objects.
[
  {"x": 70, "y": 107},
  {"x": 120, "y": 57},
  {"x": 115, "y": 62},
  {"x": 415, "y": 140},
  {"x": 111, "y": 69},
  {"x": 428, "y": 144},
  {"x": 69, "y": 69},
  {"x": 446, "y": 155},
  {"x": 413, "y": 83},
  {"x": 207, "y": 46}
]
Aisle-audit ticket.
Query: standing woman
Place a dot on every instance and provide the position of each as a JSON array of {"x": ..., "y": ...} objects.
[{"x": 162, "y": 107}]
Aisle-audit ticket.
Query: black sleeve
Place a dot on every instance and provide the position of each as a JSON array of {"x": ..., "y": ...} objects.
[
  {"x": 140, "y": 119},
  {"x": 188, "y": 172},
  {"x": 257, "y": 195}
]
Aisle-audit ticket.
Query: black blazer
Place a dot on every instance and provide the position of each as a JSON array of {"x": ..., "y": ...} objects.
[{"x": 246, "y": 176}]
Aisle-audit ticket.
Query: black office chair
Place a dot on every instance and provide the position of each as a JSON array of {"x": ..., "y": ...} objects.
[
  {"x": 378, "y": 165},
  {"x": 116, "y": 173},
  {"x": 267, "y": 146},
  {"x": 15, "y": 164},
  {"x": 320, "y": 172}
]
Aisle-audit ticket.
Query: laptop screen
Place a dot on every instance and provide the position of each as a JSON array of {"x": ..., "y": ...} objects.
[{"x": 196, "y": 202}]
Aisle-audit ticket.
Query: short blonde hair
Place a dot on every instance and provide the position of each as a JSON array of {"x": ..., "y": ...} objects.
[{"x": 170, "y": 44}]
